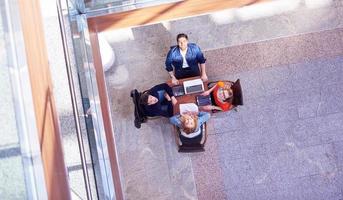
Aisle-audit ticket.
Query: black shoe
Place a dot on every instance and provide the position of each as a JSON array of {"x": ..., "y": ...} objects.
[
  {"x": 137, "y": 123},
  {"x": 132, "y": 93}
]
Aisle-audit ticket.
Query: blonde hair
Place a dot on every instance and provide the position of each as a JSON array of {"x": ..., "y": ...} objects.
[{"x": 189, "y": 130}]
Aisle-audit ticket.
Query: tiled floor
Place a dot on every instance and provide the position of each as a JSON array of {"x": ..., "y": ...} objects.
[{"x": 284, "y": 143}]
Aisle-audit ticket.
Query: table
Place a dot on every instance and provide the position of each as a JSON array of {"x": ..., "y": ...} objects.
[{"x": 187, "y": 98}]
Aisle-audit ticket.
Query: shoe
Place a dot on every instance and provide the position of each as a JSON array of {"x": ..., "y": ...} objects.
[{"x": 137, "y": 123}]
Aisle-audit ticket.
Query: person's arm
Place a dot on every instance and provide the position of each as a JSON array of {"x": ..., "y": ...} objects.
[
  {"x": 175, "y": 120},
  {"x": 203, "y": 72},
  {"x": 162, "y": 86},
  {"x": 169, "y": 60},
  {"x": 168, "y": 89},
  {"x": 173, "y": 78},
  {"x": 201, "y": 60},
  {"x": 169, "y": 67},
  {"x": 208, "y": 92},
  {"x": 203, "y": 117}
]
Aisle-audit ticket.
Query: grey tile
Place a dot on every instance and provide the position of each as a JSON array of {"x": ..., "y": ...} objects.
[
  {"x": 237, "y": 173},
  {"x": 266, "y": 191},
  {"x": 229, "y": 146},
  {"x": 227, "y": 121},
  {"x": 305, "y": 75},
  {"x": 331, "y": 136},
  {"x": 241, "y": 193},
  {"x": 311, "y": 19},
  {"x": 338, "y": 151},
  {"x": 323, "y": 188},
  {"x": 331, "y": 99},
  {"x": 305, "y": 133},
  {"x": 308, "y": 102},
  {"x": 322, "y": 157},
  {"x": 292, "y": 188},
  {"x": 276, "y": 80},
  {"x": 330, "y": 122}
]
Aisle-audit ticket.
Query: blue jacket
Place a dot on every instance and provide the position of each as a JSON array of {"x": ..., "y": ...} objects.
[{"x": 194, "y": 56}]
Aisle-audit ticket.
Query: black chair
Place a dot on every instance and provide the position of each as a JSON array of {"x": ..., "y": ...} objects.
[
  {"x": 237, "y": 93},
  {"x": 187, "y": 145},
  {"x": 140, "y": 117}
]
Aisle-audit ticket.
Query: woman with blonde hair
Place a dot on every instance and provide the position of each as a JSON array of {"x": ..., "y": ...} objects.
[{"x": 189, "y": 123}]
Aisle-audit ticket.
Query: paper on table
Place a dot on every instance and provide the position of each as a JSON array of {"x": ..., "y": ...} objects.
[{"x": 188, "y": 107}]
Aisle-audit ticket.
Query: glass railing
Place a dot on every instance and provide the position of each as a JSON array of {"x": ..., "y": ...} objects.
[
  {"x": 94, "y": 134},
  {"x": 103, "y": 7},
  {"x": 21, "y": 171}
]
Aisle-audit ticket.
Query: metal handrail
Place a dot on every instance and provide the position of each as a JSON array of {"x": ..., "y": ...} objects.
[{"x": 74, "y": 101}]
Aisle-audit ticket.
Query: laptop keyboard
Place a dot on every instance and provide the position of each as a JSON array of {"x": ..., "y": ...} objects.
[{"x": 194, "y": 89}]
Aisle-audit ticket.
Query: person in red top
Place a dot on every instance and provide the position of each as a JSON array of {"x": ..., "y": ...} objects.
[{"x": 222, "y": 96}]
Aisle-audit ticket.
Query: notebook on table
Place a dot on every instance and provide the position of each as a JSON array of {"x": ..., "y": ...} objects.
[{"x": 204, "y": 100}]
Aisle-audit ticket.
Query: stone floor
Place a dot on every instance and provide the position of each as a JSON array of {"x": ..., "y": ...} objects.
[{"x": 284, "y": 143}]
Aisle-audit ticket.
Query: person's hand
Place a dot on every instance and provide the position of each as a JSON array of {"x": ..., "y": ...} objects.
[
  {"x": 173, "y": 100},
  {"x": 204, "y": 78},
  {"x": 167, "y": 96},
  {"x": 206, "y": 93},
  {"x": 175, "y": 81},
  {"x": 191, "y": 113}
]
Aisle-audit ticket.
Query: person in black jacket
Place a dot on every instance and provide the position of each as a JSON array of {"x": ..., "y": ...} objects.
[{"x": 158, "y": 101}]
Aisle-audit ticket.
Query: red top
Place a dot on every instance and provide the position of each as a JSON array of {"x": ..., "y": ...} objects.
[{"x": 225, "y": 106}]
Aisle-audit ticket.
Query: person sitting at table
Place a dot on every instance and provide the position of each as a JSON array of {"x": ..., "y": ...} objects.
[
  {"x": 189, "y": 123},
  {"x": 158, "y": 101},
  {"x": 184, "y": 59},
  {"x": 222, "y": 96}
]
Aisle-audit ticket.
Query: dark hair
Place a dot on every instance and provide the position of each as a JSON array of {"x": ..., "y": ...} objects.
[
  {"x": 181, "y": 35},
  {"x": 144, "y": 99}
]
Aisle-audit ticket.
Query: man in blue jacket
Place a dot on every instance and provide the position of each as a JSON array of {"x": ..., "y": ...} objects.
[{"x": 185, "y": 60}]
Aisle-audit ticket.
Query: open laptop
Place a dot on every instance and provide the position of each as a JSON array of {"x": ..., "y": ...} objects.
[
  {"x": 178, "y": 90},
  {"x": 193, "y": 86}
]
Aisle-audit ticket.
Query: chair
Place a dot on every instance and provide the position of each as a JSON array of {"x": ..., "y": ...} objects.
[
  {"x": 185, "y": 146},
  {"x": 140, "y": 117},
  {"x": 237, "y": 92}
]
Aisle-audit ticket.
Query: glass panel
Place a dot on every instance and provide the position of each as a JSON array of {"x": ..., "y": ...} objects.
[
  {"x": 101, "y": 7},
  {"x": 91, "y": 105},
  {"x": 68, "y": 103},
  {"x": 21, "y": 171},
  {"x": 12, "y": 184}
]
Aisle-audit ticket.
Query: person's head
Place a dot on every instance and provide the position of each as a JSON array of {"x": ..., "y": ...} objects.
[
  {"x": 147, "y": 99},
  {"x": 189, "y": 123},
  {"x": 182, "y": 41},
  {"x": 226, "y": 94}
]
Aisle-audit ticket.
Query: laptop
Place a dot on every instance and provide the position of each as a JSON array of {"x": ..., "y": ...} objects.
[
  {"x": 193, "y": 86},
  {"x": 178, "y": 90}
]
